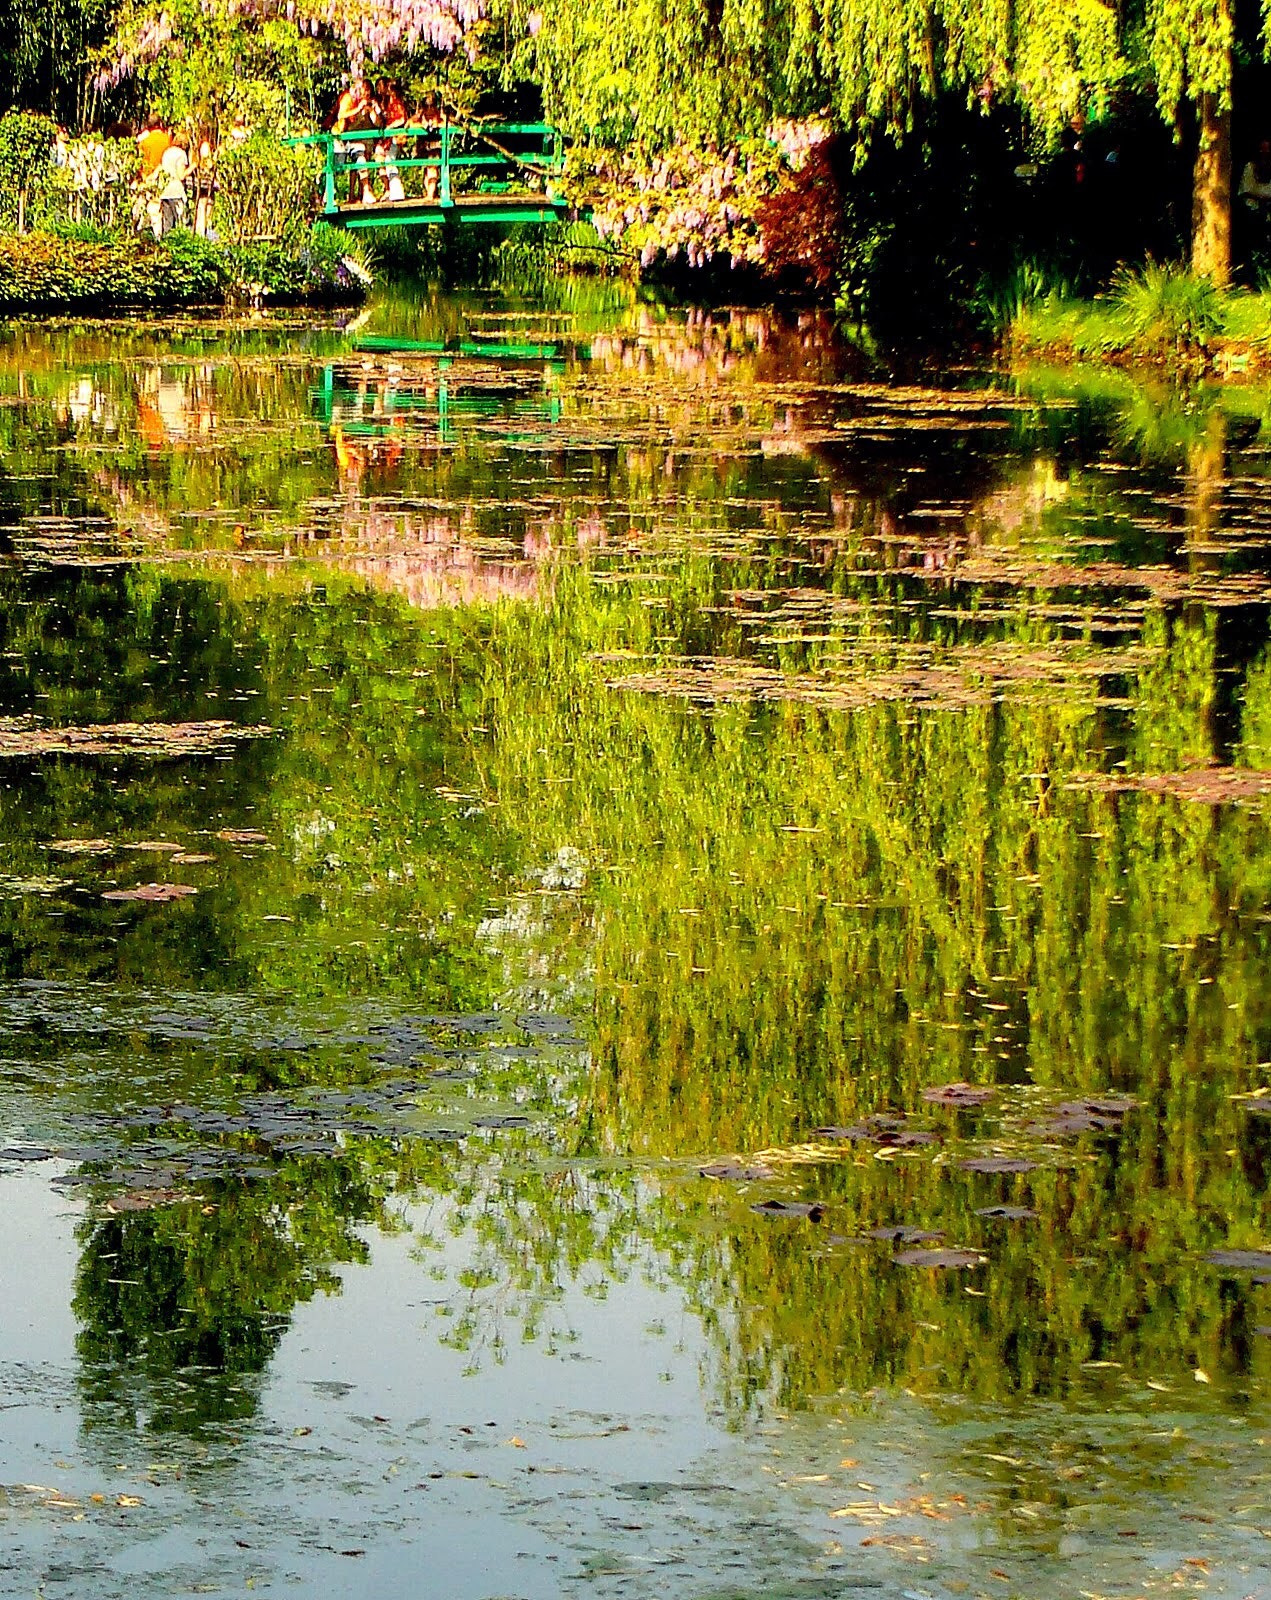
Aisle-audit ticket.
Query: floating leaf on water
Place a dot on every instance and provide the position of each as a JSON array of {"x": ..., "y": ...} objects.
[
  {"x": 242, "y": 836},
  {"x": 184, "y": 858},
  {"x": 813, "y": 1211},
  {"x": 732, "y": 1172},
  {"x": 997, "y": 1164},
  {"x": 14, "y": 888},
  {"x": 1213, "y": 786},
  {"x": 1006, "y": 1213},
  {"x": 904, "y": 1235},
  {"x": 958, "y": 1095},
  {"x": 144, "y": 1199},
  {"x": 1241, "y": 1260},
  {"x": 23, "y": 736},
  {"x": 157, "y": 845},
  {"x": 79, "y": 847},
  {"x": 154, "y": 893},
  {"x": 1095, "y": 1115},
  {"x": 890, "y": 1131},
  {"x": 29, "y": 1152},
  {"x": 939, "y": 1258}
]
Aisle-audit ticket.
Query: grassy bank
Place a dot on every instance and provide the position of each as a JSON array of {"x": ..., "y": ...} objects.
[
  {"x": 1161, "y": 316},
  {"x": 99, "y": 271}
]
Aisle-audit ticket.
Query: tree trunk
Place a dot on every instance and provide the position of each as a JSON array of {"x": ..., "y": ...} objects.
[{"x": 1211, "y": 193}]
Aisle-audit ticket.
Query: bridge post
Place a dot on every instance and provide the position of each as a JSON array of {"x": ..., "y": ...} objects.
[
  {"x": 328, "y": 173},
  {"x": 446, "y": 199}
]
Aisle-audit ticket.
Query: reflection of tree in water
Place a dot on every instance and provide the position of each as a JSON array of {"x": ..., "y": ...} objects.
[{"x": 182, "y": 1306}]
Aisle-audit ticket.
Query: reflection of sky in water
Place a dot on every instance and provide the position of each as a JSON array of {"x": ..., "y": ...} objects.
[{"x": 372, "y": 1435}]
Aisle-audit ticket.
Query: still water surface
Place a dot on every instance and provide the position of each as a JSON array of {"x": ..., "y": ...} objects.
[{"x": 506, "y": 846}]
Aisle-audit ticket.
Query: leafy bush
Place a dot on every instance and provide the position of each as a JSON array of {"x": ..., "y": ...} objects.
[
  {"x": 265, "y": 190},
  {"x": 1169, "y": 310},
  {"x": 26, "y": 162},
  {"x": 42, "y": 271},
  {"x": 80, "y": 266},
  {"x": 325, "y": 265}
]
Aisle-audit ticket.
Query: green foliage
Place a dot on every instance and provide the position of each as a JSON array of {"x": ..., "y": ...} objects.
[
  {"x": 266, "y": 190},
  {"x": 90, "y": 184},
  {"x": 322, "y": 265},
  {"x": 1189, "y": 49},
  {"x": 42, "y": 271},
  {"x": 26, "y": 161},
  {"x": 79, "y": 265},
  {"x": 658, "y": 72},
  {"x": 44, "y": 45},
  {"x": 203, "y": 67},
  {"x": 1170, "y": 311}
]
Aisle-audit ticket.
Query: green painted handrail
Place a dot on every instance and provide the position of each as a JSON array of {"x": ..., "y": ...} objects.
[{"x": 449, "y": 156}]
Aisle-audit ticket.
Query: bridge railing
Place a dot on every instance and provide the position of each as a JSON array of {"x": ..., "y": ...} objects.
[{"x": 449, "y": 149}]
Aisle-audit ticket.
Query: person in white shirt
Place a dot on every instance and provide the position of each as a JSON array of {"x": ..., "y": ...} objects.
[{"x": 175, "y": 168}]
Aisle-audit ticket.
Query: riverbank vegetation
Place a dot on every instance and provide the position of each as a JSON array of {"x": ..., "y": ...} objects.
[
  {"x": 905, "y": 164},
  {"x": 70, "y": 235}
]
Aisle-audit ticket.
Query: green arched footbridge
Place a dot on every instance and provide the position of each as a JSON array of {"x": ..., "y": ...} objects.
[{"x": 447, "y": 173}]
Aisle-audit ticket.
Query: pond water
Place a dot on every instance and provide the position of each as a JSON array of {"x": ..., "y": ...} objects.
[{"x": 632, "y": 962}]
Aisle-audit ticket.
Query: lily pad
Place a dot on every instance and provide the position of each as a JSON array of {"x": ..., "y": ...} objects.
[
  {"x": 1006, "y": 1213},
  {"x": 242, "y": 836},
  {"x": 144, "y": 1199},
  {"x": 942, "y": 1257},
  {"x": 998, "y": 1164},
  {"x": 892, "y": 1132},
  {"x": 1241, "y": 1260},
  {"x": 80, "y": 847},
  {"x": 24, "y": 736},
  {"x": 734, "y": 1172},
  {"x": 812, "y": 1212},
  {"x": 904, "y": 1235},
  {"x": 154, "y": 893},
  {"x": 958, "y": 1095}
]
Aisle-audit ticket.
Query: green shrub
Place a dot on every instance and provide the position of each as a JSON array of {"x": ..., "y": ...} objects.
[
  {"x": 26, "y": 163},
  {"x": 44, "y": 272},
  {"x": 85, "y": 268},
  {"x": 1169, "y": 311},
  {"x": 266, "y": 191},
  {"x": 324, "y": 265}
]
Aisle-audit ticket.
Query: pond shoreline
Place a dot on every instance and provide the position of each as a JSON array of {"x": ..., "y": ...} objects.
[
  {"x": 1172, "y": 323},
  {"x": 47, "y": 273}
]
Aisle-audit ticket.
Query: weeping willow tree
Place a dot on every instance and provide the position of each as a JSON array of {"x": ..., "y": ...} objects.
[
  {"x": 658, "y": 71},
  {"x": 1191, "y": 47},
  {"x": 655, "y": 74}
]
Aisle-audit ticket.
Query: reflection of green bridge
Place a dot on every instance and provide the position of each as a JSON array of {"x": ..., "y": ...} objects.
[
  {"x": 446, "y": 401},
  {"x": 490, "y": 172}
]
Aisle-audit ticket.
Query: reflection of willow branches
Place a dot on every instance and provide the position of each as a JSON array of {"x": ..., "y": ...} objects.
[
  {"x": 539, "y": 1234},
  {"x": 804, "y": 918}
]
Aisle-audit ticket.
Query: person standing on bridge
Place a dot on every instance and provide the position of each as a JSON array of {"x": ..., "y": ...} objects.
[
  {"x": 393, "y": 116},
  {"x": 431, "y": 116},
  {"x": 356, "y": 113}
]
